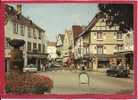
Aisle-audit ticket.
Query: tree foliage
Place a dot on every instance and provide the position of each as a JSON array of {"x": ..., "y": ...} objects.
[
  {"x": 16, "y": 43},
  {"x": 118, "y": 14}
]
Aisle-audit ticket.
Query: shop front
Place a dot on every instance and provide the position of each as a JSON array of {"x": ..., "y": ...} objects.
[
  {"x": 125, "y": 58},
  {"x": 37, "y": 59},
  {"x": 102, "y": 61}
]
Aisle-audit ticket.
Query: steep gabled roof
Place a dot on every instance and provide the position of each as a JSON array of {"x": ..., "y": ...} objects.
[
  {"x": 50, "y": 43},
  {"x": 62, "y": 37},
  {"x": 92, "y": 23}
]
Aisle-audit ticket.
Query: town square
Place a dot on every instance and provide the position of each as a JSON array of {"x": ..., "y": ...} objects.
[{"x": 69, "y": 48}]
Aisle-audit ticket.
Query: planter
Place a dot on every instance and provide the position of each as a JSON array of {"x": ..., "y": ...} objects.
[{"x": 28, "y": 83}]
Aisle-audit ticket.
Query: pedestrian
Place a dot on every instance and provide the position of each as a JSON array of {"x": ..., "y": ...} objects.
[
  {"x": 41, "y": 67},
  {"x": 128, "y": 67}
]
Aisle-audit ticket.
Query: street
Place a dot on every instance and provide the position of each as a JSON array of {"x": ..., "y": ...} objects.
[{"x": 67, "y": 82}]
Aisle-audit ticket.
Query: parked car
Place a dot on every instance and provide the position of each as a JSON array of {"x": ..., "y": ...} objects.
[
  {"x": 118, "y": 71},
  {"x": 30, "y": 68}
]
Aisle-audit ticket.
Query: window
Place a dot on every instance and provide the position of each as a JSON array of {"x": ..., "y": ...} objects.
[
  {"x": 99, "y": 49},
  {"x": 39, "y": 47},
  {"x": 99, "y": 35},
  {"x": 119, "y": 47},
  {"x": 79, "y": 50},
  {"x": 119, "y": 35},
  {"x": 43, "y": 48},
  {"x": 29, "y": 32},
  {"x": 29, "y": 46},
  {"x": 22, "y": 29},
  {"x": 34, "y": 46},
  {"x": 15, "y": 28},
  {"x": 40, "y": 35},
  {"x": 34, "y": 33}
]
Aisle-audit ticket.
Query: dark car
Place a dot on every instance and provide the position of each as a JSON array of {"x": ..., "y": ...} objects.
[{"x": 118, "y": 71}]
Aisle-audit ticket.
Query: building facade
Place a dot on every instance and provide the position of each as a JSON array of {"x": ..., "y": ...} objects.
[
  {"x": 51, "y": 50},
  {"x": 18, "y": 26},
  {"x": 68, "y": 43},
  {"x": 126, "y": 55},
  {"x": 99, "y": 42},
  {"x": 59, "y": 45}
]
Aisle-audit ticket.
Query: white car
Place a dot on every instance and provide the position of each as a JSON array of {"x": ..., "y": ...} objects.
[{"x": 30, "y": 68}]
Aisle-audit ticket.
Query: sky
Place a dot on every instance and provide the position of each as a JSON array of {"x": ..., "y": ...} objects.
[{"x": 56, "y": 18}]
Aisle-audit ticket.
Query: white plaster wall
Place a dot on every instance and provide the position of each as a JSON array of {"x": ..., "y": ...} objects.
[{"x": 52, "y": 51}]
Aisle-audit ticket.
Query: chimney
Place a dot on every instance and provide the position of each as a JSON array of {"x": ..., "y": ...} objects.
[
  {"x": 77, "y": 29},
  {"x": 19, "y": 9}
]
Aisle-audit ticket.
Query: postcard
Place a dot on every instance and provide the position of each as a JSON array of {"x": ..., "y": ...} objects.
[{"x": 68, "y": 49}]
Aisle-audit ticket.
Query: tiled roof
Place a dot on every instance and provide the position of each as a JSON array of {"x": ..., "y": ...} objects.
[
  {"x": 76, "y": 29},
  {"x": 12, "y": 13},
  {"x": 50, "y": 43}
]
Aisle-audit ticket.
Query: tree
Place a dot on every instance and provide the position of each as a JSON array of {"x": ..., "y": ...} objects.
[
  {"x": 118, "y": 14},
  {"x": 16, "y": 43}
]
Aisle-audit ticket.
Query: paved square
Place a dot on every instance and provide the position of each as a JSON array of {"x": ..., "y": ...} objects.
[{"x": 67, "y": 82}]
